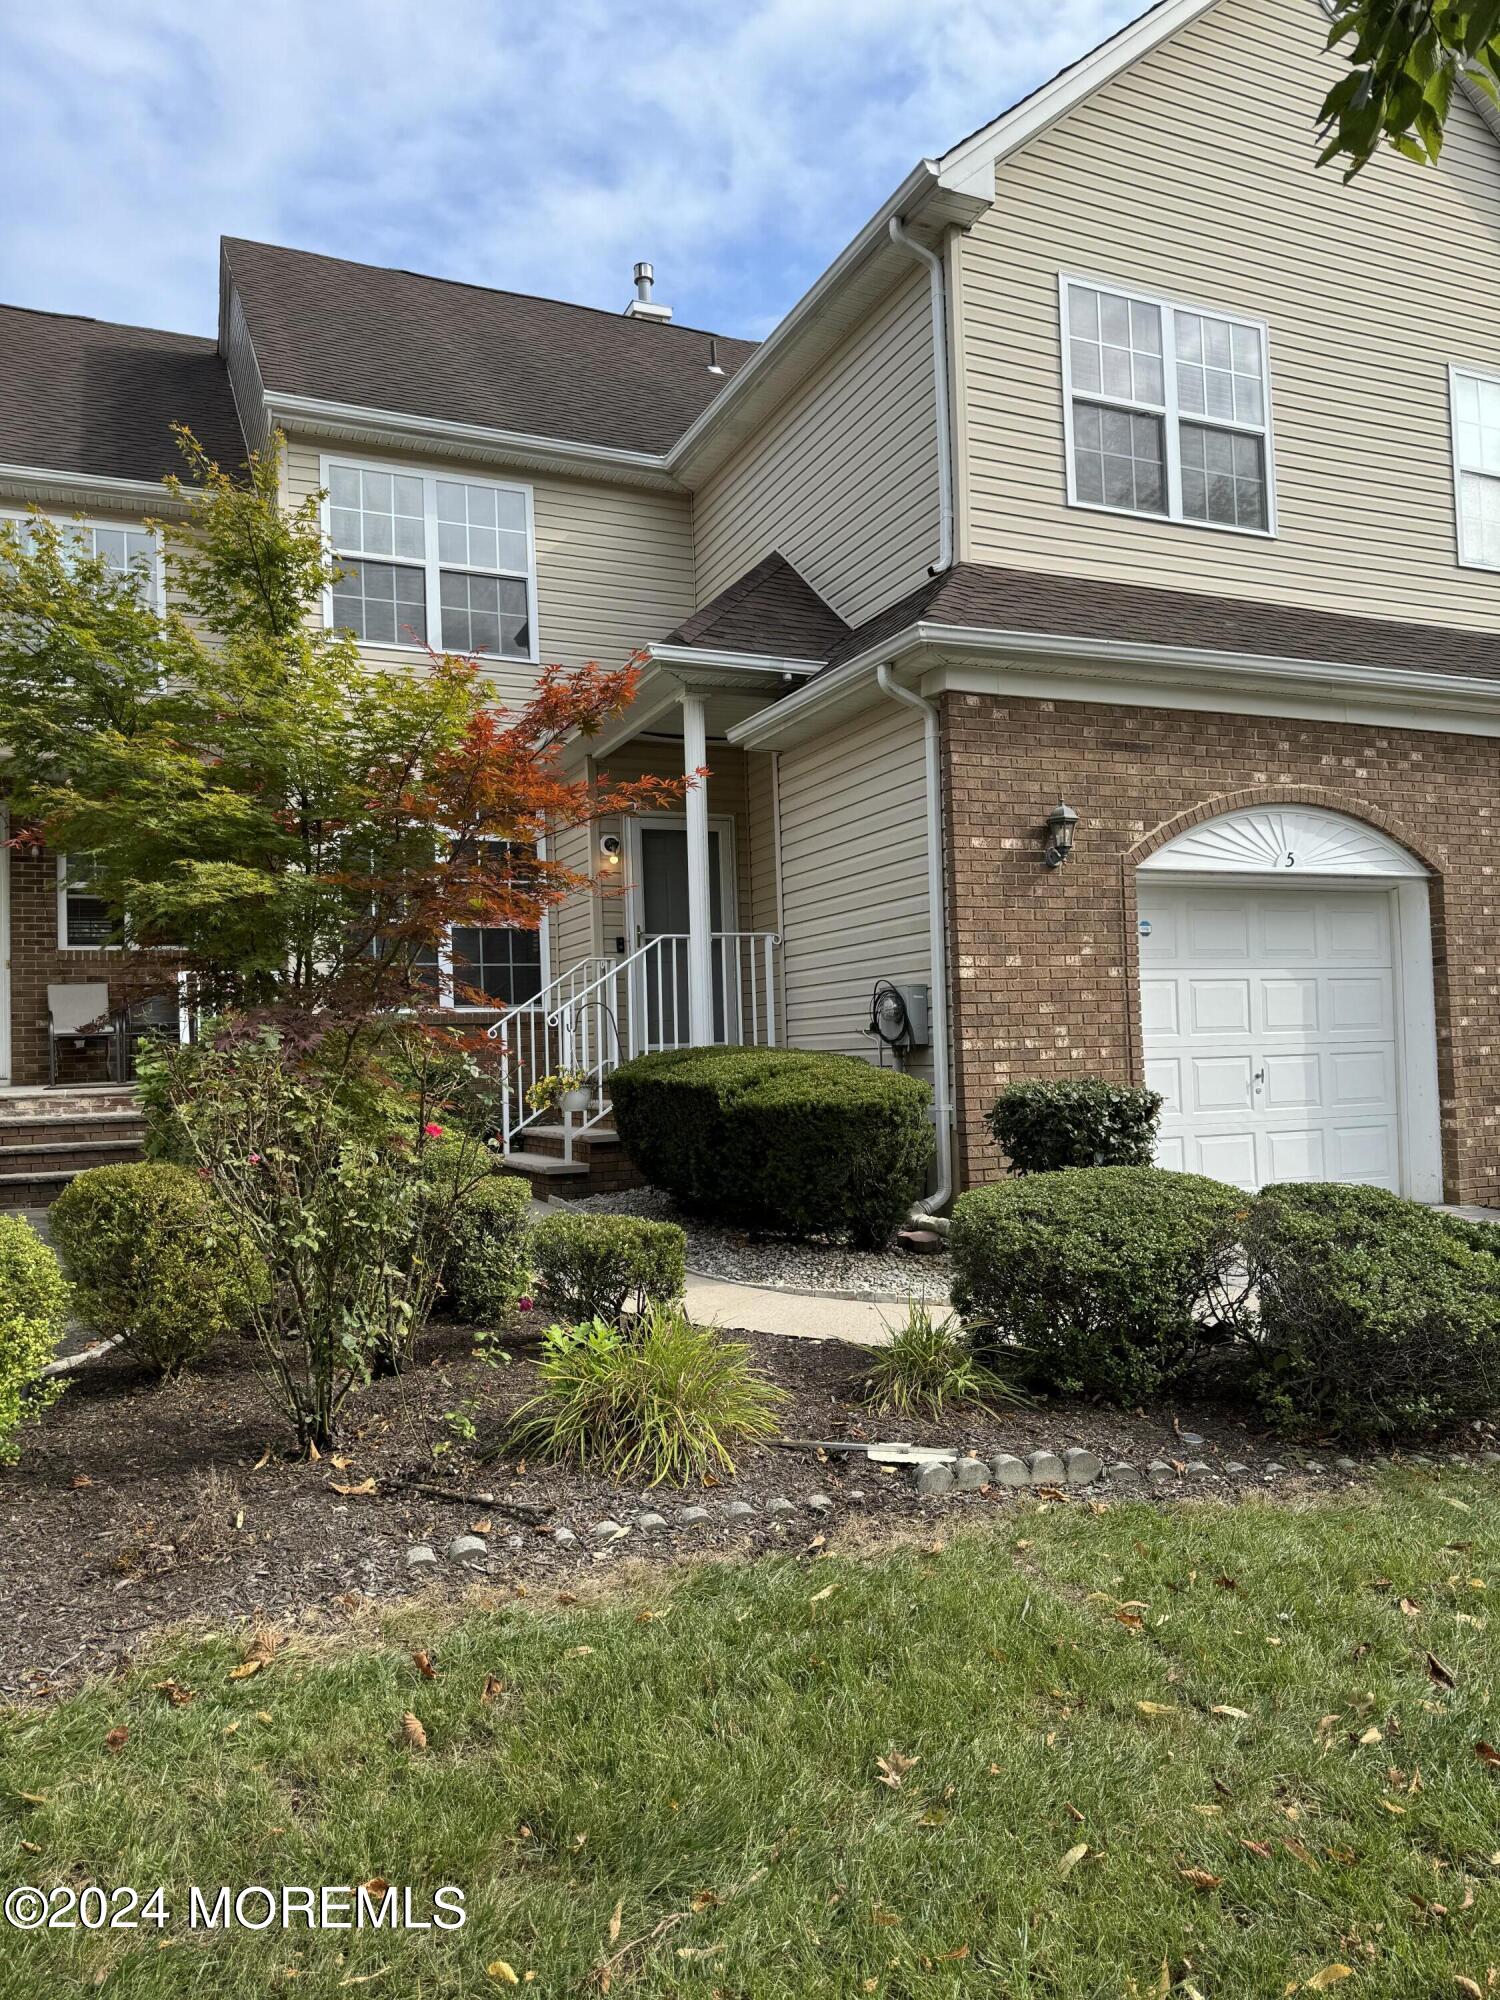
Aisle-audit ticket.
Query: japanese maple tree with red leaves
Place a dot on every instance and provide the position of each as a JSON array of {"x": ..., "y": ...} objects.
[{"x": 254, "y": 801}]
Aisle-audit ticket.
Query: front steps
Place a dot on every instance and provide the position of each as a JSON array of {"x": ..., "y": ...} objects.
[
  {"x": 48, "y": 1136},
  {"x": 599, "y": 1164}
]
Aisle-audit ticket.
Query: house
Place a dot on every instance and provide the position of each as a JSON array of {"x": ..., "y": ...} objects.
[{"x": 1086, "y": 602}]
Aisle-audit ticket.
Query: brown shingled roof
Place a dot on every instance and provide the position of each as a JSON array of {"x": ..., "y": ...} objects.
[
  {"x": 1011, "y": 600},
  {"x": 392, "y": 340},
  {"x": 771, "y": 609},
  {"x": 86, "y": 396}
]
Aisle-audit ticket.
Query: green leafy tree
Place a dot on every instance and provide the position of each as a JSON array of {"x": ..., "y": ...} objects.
[
  {"x": 1406, "y": 60},
  {"x": 293, "y": 826}
]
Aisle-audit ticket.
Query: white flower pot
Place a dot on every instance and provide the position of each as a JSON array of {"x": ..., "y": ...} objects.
[{"x": 574, "y": 1101}]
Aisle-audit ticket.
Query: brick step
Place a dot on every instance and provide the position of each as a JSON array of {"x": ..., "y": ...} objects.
[
  {"x": 551, "y": 1139},
  {"x": 32, "y": 1190},
  {"x": 70, "y": 1155},
  {"x": 604, "y": 1170},
  {"x": 86, "y": 1101},
  {"x": 106, "y": 1126}
]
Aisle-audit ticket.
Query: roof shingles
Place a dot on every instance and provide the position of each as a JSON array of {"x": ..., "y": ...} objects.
[
  {"x": 86, "y": 397},
  {"x": 392, "y": 340},
  {"x": 772, "y": 609}
]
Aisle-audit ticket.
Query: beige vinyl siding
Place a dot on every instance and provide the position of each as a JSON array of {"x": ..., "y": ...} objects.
[
  {"x": 1192, "y": 175},
  {"x": 843, "y": 481},
  {"x": 853, "y": 877},
  {"x": 614, "y": 563}
]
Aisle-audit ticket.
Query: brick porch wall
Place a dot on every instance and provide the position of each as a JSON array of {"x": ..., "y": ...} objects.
[
  {"x": 37, "y": 962},
  {"x": 1044, "y": 961}
]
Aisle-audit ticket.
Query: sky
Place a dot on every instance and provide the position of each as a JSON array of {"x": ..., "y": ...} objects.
[{"x": 539, "y": 148}]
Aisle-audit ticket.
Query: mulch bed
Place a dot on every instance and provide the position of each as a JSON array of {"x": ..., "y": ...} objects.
[{"x": 137, "y": 1506}]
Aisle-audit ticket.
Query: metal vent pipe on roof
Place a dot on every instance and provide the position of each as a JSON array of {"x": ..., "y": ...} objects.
[{"x": 643, "y": 306}]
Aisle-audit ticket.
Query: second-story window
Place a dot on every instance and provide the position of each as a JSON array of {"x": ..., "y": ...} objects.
[
  {"x": 125, "y": 551},
  {"x": 1476, "y": 465},
  {"x": 429, "y": 559},
  {"x": 1168, "y": 409}
]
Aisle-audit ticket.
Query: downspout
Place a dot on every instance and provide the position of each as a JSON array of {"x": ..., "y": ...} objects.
[
  {"x": 937, "y": 936},
  {"x": 937, "y": 929},
  {"x": 943, "y": 406}
]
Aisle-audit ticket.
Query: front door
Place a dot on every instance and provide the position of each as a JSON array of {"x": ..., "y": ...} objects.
[{"x": 662, "y": 890}]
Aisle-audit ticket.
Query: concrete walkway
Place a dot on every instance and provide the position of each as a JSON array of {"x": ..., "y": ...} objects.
[{"x": 802, "y": 1315}]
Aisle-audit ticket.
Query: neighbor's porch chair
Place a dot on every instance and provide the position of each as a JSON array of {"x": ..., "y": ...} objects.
[{"x": 78, "y": 1014}]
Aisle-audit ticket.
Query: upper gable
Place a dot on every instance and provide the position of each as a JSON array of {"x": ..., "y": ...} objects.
[{"x": 1191, "y": 175}]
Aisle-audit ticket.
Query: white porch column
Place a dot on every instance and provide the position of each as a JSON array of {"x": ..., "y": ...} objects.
[{"x": 700, "y": 909}]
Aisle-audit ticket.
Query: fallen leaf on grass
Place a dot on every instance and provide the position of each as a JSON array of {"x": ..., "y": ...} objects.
[
  {"x": 1412, "y": 1609},
  {"x": 364, "y": 1978},
  {"x": 1466, "y": 1985},
  {"x": 819, "y": 1596},
  {"x": 505, "y": 1973},
  {"x": 1488, "y": 1754},
  {"x": 413, "y": 1735},
  {"x": 1199, "y": 1878},
  {"x": 1072, "y": 1858},
  {"x": 1222, "y": 1708},
  {"x": 1438, "y": 1672},
  {"x": 1331, "y": 1975},
  {"x": 175, "y": 1692},
  {"x": 493, "y": 1685},
  {"x": 1371, "y": 1735},
  {"x": 34, "y": 1798},
  {"x": 422, "y": 1661},
  {"x": 1257, "y": 1847},
  {"x": 116, "y": 1740},
  {"x": 614, "y": 1922},
  {"x": 894, "y": 1768},
  {"x": 246, "y": 1670},
  {"x": 1157, "y": 1707},
  {"x": 1299, "y": 1853}
]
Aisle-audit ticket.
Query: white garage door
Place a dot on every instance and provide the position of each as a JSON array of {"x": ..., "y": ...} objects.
[{"x": 1270, "y": 1030}]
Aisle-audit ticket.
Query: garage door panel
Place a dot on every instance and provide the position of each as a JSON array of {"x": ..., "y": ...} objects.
[
  {"x": 1221, "y": 1083},
  {"x": 1219, "y": 1006},
  {"x": 1227, "y": 1156},
  {"x": 1360, "y": 1077},
  {"x": 1159, "y": 1010},
  {"x": 1295, "y": 1155},
  {"x": 1270, "y": 1030},
  {"x": 1360, "y": 1006},
  {"x": 1216, "y": 932},
  {"x": 1292, "y": 1082},
  {"x": 1289, "y": 1006}
]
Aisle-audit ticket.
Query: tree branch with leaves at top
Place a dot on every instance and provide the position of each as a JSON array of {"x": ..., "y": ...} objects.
[{"x": 1407, "y": 58}]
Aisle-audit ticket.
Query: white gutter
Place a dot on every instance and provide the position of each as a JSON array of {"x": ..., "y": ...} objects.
[
  {"x": 1125, "y": 658},
  {"x": 942, "y": 400},
  {"x": 937, "y": 935},
  {"x": 745, "y": 663},
  {"x": 404, "y": 424},
  {"x": 133, "y": 490}
]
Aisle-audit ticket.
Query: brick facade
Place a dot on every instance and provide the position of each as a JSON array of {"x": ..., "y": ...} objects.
[
  {"x": 1044, "y": 961},
  {"x": 37, "y": 962}
]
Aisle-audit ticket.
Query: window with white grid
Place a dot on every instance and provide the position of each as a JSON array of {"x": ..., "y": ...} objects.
[
  {"x": 123, "y": 551},
  {"x": 1167, "y": 409},
  {"x": 1476, "y": 465},
  {"x": 428, "y": 559}
]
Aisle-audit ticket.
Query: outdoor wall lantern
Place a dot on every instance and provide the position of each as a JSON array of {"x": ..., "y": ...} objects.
[{"x": 1060, "y": 824}]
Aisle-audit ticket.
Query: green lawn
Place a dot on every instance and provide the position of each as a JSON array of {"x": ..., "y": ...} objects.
[{"x": 1214, "y": 1740}]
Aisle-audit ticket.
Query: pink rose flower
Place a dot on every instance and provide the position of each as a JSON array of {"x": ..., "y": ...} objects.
[
  {"x": 525, "y": 1305},
  {"x": 433, "y": 1131}
]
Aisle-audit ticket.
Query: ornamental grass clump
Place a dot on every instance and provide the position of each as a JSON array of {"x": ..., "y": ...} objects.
[
  {"x": 33, "y": 1316},
  {"x": 930, "y": 1365},
  {"x": 664, "y": 1403}
]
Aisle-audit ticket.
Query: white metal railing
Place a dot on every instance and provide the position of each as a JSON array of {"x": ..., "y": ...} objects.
[{"x": 605, "y": 1010}]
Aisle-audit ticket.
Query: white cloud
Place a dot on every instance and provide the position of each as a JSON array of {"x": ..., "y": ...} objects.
[{"x": 539, "y": 148}]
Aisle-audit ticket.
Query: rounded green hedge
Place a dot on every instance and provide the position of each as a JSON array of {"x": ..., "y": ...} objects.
[
  {"x": 488, "y": 1259},
  {"x": 787, "y": 1141},
  {"x": 148, "y": 1251},
  {"x": 594, "y": 1266},
  {"x": 33, "y": 1316},
  {"x": 1104, "y": 1277},
  {"x": 1377, "y": 1317}
]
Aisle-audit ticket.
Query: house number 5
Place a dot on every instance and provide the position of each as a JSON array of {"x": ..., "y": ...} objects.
[{"x": 1290, "y": 860}]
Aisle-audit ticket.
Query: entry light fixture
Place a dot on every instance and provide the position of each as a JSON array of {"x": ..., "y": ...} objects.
[
  {"x": 609, "y": 847},
  {"x": 1060, "y": 824}
]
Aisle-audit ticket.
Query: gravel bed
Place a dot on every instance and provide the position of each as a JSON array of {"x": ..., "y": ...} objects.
[{"x": 714, "y": 1251}]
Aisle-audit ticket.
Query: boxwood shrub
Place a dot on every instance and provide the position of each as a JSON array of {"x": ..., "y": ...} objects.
[
  {"x": 488, "y": 1260},
  {"x": 1105, "y": 1277},
  {"x": 1378, "y": 1317},
  {"x": 33, "y": 1316},
  {"x": 596, "y": 1266},
  {"x": 147, "y": 1249},
  {"x": 1082, "y": 1122},
  {"x": 787, "y": 1141}
]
